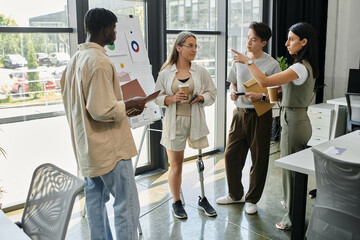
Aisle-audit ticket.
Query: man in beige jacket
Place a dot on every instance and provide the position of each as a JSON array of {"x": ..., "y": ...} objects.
[{"x": 101, "y": 136}]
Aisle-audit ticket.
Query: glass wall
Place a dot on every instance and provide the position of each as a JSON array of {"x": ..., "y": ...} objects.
[
  {"x": 33, "y": 128},
  {"x": 34, "y": 13},
  {"x": 193, "y": 15},
  {"x": 240, "y": 14}
]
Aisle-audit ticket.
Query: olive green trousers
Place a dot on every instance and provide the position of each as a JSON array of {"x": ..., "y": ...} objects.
[{"x": 295, "y": 134}]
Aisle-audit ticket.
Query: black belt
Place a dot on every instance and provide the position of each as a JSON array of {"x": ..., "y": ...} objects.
[
  {"x": 295, "y": 108},
  {"x": 246, "y": 109}
]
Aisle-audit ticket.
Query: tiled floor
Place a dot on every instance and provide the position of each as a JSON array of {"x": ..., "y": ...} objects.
[{"x": 232, "y": 222}]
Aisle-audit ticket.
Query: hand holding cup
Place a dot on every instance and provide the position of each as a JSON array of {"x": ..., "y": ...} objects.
[
  {"x": 273, "y": 94},
  {"x": 185, "y": 89}
]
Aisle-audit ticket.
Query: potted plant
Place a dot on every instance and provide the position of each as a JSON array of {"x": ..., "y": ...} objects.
[{"x": 283, "y": 63}]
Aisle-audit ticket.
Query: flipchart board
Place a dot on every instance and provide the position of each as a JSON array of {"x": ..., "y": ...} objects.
[{"x": 130, "y": 58}]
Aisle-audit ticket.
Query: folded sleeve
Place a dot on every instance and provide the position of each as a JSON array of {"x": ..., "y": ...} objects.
[{"x": 101, "y": 102}]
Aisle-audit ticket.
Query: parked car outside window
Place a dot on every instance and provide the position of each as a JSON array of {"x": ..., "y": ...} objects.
[
  {"x": 14, "y": 61},
  {"x": 57, "y": 75},
  {"x": 48, "y": 81},
  {"x": 20, "y": 83},
  {"x": 43, "y": 59},
  {"x": 59, "y": 58}
]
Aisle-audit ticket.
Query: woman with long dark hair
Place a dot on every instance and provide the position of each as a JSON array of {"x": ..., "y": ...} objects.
[{"x": 297, "y": 84}]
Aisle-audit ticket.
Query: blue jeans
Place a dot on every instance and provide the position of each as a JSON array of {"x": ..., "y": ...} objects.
[{"x": 120, "y": 182}]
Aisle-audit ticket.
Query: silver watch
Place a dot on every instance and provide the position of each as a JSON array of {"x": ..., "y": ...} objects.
[{"x": 249, "y": 62}]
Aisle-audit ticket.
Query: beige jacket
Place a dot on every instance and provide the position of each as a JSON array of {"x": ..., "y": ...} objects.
[
  {"x": 91, "y": 93},
  {"x": 203, "y": 84}
]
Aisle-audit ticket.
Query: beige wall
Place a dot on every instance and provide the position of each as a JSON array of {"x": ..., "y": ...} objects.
[{"x": 342, "y": 45}]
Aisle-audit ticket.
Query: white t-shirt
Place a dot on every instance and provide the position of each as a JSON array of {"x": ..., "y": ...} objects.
[{"x": 301, "y": 71}]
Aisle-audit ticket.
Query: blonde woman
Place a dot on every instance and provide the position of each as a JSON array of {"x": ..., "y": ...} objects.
[{"x": 184, "y": 122}]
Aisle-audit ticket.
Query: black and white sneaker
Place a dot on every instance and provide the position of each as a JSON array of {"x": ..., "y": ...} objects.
[
  {"x": 178, "y": 210},
  {"x": 204, "y": 205},
  {"x": 312, "y": 193}
]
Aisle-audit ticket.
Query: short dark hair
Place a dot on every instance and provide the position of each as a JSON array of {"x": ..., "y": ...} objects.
[
  {"x": 97, "y": 19},
  {"x": 261, "y": 29},
  {"x": 309, "y": 51}
]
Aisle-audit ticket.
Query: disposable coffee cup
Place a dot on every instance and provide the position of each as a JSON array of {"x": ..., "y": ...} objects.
[
  {"x": 273, "y": 94},
  {"x": 184, "y": 88}
]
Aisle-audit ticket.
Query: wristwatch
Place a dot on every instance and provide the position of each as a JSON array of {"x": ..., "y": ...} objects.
[
  {"x": 249, "y": 62},
  {"x": 263, "y": 97}
]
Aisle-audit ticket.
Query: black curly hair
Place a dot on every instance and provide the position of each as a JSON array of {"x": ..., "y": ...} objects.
[{"x": 97, "y": 19}]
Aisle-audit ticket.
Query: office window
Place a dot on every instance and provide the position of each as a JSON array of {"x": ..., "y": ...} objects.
[
  {"x": 240, "y": 14},
  {"x": 191, "y": 14},
  {"x": 33, "y": 128},
  {"x": 30, "y": 66},
  {"x": 34, "y": 13}
]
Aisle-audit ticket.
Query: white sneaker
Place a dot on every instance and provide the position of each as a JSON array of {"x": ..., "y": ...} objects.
[
  {"x": 228, "y": 200},
  {"x": 250, "y": 208}
]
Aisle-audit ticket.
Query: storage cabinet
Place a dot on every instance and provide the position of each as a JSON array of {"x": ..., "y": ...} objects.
[{"x": 321, "y": 117}]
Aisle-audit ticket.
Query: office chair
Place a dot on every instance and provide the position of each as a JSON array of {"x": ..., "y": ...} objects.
[
  {"x": 50, "y": 202},
  {"x": 353, "y": 119},
  {"x": 336, "y": 211}
]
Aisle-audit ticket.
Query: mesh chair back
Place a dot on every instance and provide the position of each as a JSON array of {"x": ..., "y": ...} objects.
[
  {"x": 353, "y": 118},
  {"x": 336, "y": 212},
  {"x": 49, "y": 202}
]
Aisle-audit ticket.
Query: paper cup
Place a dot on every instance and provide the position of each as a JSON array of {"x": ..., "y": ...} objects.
[
  {"x": 184, "y": 88},
  {"x": 273, "y": 94}
]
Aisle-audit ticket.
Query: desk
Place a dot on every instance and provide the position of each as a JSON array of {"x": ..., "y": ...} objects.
[
  {"x": 337, "y": 103},
  {"x": 8, "y": 229},
  {"x": 302, "y": 163}
]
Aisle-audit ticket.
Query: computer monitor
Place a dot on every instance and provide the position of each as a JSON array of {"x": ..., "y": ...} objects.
[{"x": 354, "y": 81}]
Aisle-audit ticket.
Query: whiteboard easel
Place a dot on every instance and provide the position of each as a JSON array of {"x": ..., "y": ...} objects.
[{"x": 129, "y": 55}]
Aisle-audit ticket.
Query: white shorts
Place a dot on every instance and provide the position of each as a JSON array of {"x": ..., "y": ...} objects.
[{"x": 182, "y": 134}]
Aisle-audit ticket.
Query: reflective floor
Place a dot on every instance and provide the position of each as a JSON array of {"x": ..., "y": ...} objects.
[{"x": 157, "y": 221}]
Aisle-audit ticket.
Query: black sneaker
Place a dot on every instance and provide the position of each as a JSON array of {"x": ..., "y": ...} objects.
[
  {"x": 206, "y": 207},
  {"x": 178, "y": 210},
  {"x": 312, "y": 193}
]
